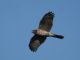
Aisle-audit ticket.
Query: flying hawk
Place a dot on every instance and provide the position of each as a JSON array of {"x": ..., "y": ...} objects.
[{"x": 43, "y": 31}]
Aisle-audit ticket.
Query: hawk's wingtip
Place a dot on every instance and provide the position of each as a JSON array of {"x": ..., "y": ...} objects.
[
  {"x": 50, "y": 12},
  {"x": 32, "y": 49}
]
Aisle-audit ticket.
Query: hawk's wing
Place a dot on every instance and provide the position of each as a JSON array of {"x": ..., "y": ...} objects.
[
  {"x": 47, "y": 21},
  {"x": 35, "y": 42}
]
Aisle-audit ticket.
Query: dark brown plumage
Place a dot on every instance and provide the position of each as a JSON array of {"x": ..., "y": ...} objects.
[
  {"x": 36, "y": 41},
  {"x": 47, "y": 21},
  {"x": 43, "y": 32}
]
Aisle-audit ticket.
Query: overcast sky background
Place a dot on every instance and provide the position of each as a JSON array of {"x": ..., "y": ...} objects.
[{"x": 19, "y": 17}]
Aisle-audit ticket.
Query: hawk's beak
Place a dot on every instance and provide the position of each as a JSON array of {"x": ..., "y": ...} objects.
[{"x": 34, "y": 31}]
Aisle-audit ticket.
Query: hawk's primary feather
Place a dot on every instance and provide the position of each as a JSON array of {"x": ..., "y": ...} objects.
[
  {"x": 47, "y": 21},
  {"x": 35, "y": 42}
]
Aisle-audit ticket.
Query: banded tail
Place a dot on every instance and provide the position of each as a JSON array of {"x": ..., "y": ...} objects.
[{"x": 58, "y": 36}]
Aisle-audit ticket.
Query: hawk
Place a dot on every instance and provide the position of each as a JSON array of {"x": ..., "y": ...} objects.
[{"x": 43, "y": 31}]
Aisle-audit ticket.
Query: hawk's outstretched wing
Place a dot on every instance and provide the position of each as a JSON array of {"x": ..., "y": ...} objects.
[
  {"x": 47, "y": 21},
  {"x": 35, "y": 42}
]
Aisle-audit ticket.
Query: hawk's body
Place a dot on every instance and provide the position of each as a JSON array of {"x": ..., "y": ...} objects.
[{"x": 43, "y": 32}]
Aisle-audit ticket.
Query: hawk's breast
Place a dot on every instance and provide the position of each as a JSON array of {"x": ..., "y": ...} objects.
[{"x": 42, "y": 32}]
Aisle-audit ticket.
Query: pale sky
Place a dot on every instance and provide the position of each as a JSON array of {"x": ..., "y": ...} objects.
[{"x": 19, "y": 17}]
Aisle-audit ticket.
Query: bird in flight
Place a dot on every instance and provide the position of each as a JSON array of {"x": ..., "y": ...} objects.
[{"x": 43, "y": 31}]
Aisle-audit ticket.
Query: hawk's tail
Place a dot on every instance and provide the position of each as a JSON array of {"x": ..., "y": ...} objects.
[{"x": 58, "y": 36}]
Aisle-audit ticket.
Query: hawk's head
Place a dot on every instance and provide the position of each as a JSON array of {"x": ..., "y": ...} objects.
[{"x": 34, "y": 31}]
